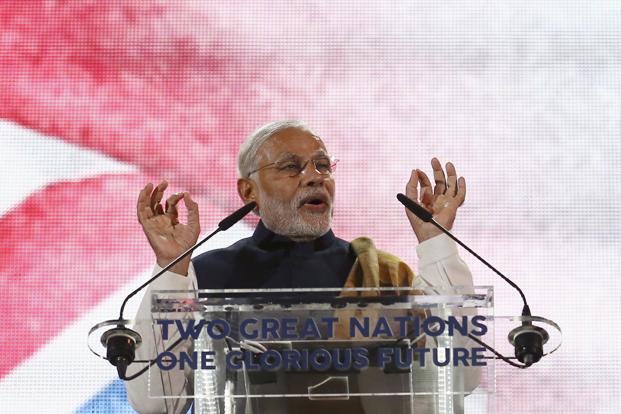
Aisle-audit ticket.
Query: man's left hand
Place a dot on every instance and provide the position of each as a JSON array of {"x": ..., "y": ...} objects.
[{"x": 443, "y": 200}]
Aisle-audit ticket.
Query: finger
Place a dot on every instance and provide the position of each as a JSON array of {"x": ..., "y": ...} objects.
[
  {"x": 426, "y": 193},
  {"x": 411, "y": 188},
  {"x": 426, "y": 198},
  {"x": 144, "y": 214},
  {"x": 156, "y": 197},
  {"x": 438, "y": 177},
  {"x": 143, "y": 210},
  {"x": 451, "y": 182},
  {"x": 460, "y": 197},
  {"x": 171, "y": 207},
  {"x": 193, "y": 218}
]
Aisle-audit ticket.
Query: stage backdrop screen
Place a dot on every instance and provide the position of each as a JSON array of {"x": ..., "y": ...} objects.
[{"x": 97, "y": 98}]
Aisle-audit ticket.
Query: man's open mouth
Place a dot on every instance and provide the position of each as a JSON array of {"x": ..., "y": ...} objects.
[{"x": 314, "y": 201}]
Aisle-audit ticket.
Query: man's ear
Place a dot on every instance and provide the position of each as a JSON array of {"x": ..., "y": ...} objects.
[{"x": 246, "y": 189}]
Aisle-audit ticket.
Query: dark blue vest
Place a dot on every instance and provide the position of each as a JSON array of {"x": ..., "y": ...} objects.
[{"x": 268, "y": 260}]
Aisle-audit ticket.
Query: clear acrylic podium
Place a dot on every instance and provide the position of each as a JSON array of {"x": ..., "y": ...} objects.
[{"x": 379, "y": 350}]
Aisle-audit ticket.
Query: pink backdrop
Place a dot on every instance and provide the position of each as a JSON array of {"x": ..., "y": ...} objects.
[{"x": 98, "y": 98}]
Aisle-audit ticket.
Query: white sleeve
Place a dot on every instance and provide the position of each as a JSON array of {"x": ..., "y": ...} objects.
[
  {"x": 173, "y": 382},
  {"x": 439, "y": 264}
]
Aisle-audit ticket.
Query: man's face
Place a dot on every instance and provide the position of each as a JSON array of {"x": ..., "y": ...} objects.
[{"x": 299, "y": 207}]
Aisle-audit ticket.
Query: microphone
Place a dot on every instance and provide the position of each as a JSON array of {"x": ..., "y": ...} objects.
[
  {"x": 415, "y": 208},
  {"x": 526, "y": 339},
  {"x": 235, "y": 216},
  {"x": 121, "y": 342}
]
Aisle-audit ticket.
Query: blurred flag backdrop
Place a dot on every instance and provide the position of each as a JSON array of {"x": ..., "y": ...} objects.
[{"x": 99, "y": 97}]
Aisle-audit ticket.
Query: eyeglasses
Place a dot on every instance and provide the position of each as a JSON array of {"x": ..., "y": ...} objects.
[{"x": 294, "y": 167}]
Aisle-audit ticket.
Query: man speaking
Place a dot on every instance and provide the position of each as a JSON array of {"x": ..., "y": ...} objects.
[{"x": 287, "y": 170}]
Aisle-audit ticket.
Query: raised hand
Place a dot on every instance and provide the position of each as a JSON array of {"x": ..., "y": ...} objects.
[
  {"x": 442, "y": 200},
  {"x": 167, "y": 236}
]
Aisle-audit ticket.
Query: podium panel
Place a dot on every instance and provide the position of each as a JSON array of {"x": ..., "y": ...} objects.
[{"x": 358, "y": 350}]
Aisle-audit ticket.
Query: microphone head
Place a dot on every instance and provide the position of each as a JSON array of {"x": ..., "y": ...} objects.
[
  {"x": 235, "y": 216},
  {"x": 121, "y": 344},
  {"x": 415, "y": 208},
  {"x": 528, "y": 341}
]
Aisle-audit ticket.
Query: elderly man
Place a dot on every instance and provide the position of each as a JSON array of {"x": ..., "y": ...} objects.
[{"x": 286, "y": 169}]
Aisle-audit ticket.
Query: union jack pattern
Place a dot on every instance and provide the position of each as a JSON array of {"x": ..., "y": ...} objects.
[{"x": 99, "y": 98}]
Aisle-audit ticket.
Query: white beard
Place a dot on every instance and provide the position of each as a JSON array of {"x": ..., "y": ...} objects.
[{"x": 285, "y": 219}]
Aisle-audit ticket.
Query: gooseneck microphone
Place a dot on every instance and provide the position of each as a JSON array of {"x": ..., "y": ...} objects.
[
  {"x": 527, "y": 339},
  {"x": 121, "y": 342}
]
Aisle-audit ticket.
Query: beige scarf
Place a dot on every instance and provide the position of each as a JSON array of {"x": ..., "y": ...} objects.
[{"x": 374, "y": 269}]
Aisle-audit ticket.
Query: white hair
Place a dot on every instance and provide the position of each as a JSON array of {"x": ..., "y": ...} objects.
[{"x": 246, "y": 157}]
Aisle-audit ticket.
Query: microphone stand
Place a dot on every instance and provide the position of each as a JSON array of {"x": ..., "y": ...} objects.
[
  {"x": 121, "y": 342},
  {"x": 527, "y": 339}
]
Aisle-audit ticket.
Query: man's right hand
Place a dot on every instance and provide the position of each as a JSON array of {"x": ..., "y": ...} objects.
[{"x": 168, "y": 238}]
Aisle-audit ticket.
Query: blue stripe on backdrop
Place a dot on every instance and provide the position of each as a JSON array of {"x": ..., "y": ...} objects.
[{"x": 110, "y": 400}]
